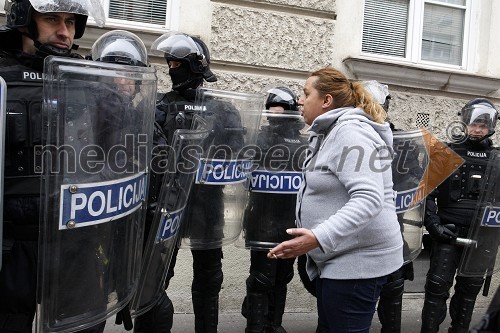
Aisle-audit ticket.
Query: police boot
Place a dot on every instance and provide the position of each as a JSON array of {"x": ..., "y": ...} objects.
[
  {"x": 434, "y": 310},
  {"x": 256, "y": 312},
  {"x": 159, "y": 319},
  {"x": 462, "y": 303},
  {"x": 206, "y": 313},
  {"x": 390, "y": 303},
  {"x": 276, "y": 310},
  {"x": 433, "y": 314}
]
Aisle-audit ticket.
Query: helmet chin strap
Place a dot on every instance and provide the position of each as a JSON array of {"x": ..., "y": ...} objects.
[
  {"x": 47, "y": 49},
  {"x": 481, "y": 139}
]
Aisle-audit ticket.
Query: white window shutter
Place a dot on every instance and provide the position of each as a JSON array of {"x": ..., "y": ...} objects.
[
  {"x": 144, "y": 11},
  {"x": 385, "y": 27}
]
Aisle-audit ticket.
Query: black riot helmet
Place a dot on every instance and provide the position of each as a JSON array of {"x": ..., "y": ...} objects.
[
  {"x": 282, "y": 120},
  {"x": 282, "y": 96},
  {"x": 480, "y": 111},
  {"x": 193, "y": 55},
  {"x": 120, "y": 47},
  {"x": 20, "y": 13}
]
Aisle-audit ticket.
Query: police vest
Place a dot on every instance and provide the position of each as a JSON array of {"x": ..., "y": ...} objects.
[
  {"x": 462, "y": 188},
  {"x": 23, "y": 127},
  {"x": 178, "y": 113},
  {"x": 173, "y": 112}
]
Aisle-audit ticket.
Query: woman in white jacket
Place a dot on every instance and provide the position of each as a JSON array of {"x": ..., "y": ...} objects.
[{"x": 345, "y": 213}]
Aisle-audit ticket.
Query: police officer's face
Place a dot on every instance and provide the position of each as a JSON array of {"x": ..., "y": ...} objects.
[
  {"x": 478, "y": 130},
  {"x": 277, "y": 109},
  {"x": 173, "y": 64},
  {"x": 56, "y": 29},
  {"x": 125, "y": 86}
]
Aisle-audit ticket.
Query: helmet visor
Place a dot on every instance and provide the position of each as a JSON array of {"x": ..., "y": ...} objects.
[
  {"x": 120, "y": 47},
  {"x": 282, "y": 97},
  {"x": 378, "y": 91},
  {"x": 174, "y": 45},
  {"x": 91, "y": 8},
  {"x": 480, "y": 114}
]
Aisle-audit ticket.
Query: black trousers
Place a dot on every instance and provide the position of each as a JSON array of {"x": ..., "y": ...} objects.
[{"x": 18, "y": 283}]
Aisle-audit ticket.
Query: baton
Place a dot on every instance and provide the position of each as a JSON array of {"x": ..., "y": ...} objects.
[{"x": 465, "y": 242}]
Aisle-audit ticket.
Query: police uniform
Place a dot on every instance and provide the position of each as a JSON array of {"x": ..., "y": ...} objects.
[
  {"x": 266, "y": 219},
  {"x": 203, "y": 217},
  {"x": 390, "y": 303},
  {"x": 452, "y": 206},
  {"x": 18, "y": 277}
]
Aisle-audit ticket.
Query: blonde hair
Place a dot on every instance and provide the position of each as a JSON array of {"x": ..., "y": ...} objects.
[{"x": 331, "y": 81}]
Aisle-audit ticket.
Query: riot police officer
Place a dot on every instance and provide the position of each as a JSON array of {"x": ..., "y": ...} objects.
[
  {"x": 449, "y": 214},
  {"x": 117, "y": 100},
  {"x": 390, "y": 303},
  {"x": 271, "y": 210},
  {"x": 188, "y": 60},
  {"x": 34, "y": 30}
]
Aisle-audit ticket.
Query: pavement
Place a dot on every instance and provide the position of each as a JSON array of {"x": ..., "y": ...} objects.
[
  {"x": 231, "y": 321},
  {"x": 303, "y": 322}
]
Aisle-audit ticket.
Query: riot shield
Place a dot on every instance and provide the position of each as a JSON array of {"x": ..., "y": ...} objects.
[
  {"x": 163, "y": 238},
  {"x": 3, "y": 113},
  {"x": 274, "y": 181},
  {"x": 218, "y": 197},
  {"x": 95, "y": 158},
  {"x": 480, "y": 257},
  {"x": 408, "y": 168}
]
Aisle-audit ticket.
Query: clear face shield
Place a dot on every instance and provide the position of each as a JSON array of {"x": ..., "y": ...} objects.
[
  {"x": 480, "y": 120},
  {"x": 91, "y": 8},
  {"x": 281, "y": 108},
  {"x": 378, "y": 91},
  {"x": 120, "y": 47},
  {"x": 281, "y": 97},
  {"x": 174, "y": 45}
]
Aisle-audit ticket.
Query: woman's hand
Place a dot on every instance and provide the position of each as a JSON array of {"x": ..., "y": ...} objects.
[{"x": 303, "y": 242}]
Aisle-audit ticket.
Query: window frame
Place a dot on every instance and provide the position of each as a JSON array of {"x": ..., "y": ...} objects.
[
  {"x": 413, "y": 49},
  {"x": 171, "y": 19}
]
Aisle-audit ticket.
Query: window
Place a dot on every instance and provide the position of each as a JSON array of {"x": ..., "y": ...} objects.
[
  {"x": 421, "y": 31},
  {"x": 148, "y": 14},
  {"x": 153, "y": 14}
]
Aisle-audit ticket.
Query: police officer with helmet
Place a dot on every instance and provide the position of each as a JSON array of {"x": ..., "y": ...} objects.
[
  {"x": 119, "y": 111},
  {"x": 271, "y": 210},
  {"x": 188, "y": 60},
  {"x": 123, "y": 48},
  {"x": 34, "y": 30},
  {"x": 449, "y": 214}
]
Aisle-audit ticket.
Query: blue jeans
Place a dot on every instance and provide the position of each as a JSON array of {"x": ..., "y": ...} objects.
[{"x": 347, "y": 306}]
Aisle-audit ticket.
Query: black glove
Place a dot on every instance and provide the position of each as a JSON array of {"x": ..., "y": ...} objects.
[{"x": 442, "y": 233}]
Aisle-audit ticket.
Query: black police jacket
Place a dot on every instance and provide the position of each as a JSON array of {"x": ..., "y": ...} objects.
[
  {"x": 23, "y": 76},
  {"x": 457, "y": 196}
]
